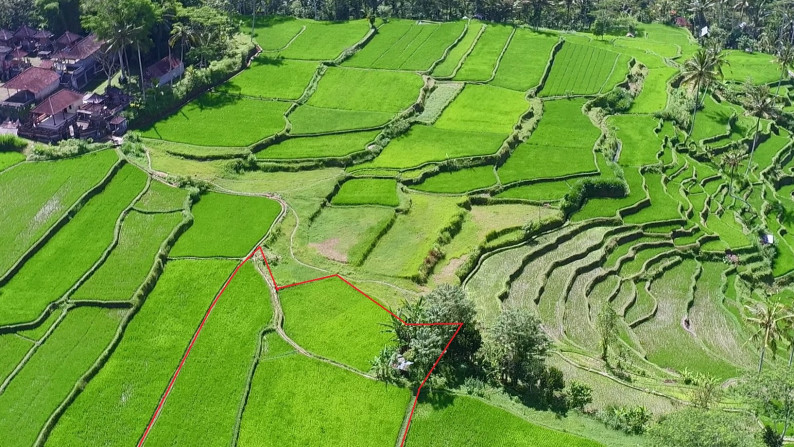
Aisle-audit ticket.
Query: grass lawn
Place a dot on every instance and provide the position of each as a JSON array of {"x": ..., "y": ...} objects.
[
  {"x": 447, "y": 67},
  {"x": 69, "y": 254},
  {"x": 9, "y": 159},
  {"x": 766, "y": 151},
  {"x": 712, "y": 120},
  {"x": 310, "y": 120},
  {"x": 331, "y": 319},
  {"x": 210, "y": 387},
  {"x": 226, "y": 225},
  {"x": 640, "y": 144},
  {"x": 663, "y": 206},
  {"x": 483, "y": 108},
  {"x": 459, "y": 181},
  {"x": 653, "y": 96},
  {"x": 272, "y": 78},
  {"x": 34, "y": 195},
  {"x": 367, "y": 192},
  {"x": 407, "y": 45},
  {"x": 525, "y": 60},
  {"x": 539, "y": 191},
  {"x": 447, "y": 420},
  {"x": 327, "y": 239},
  {"x": 118, "y": 402},
  {"x": 326, "y": 40},
  {"x": 49, "y": 376},
  {"x": 126, "y": 268},
  {"x": 275, "y": 32},
  {"x": 370, "y": 90},
  {"x": 296, "y": 400},
  {"x": 480, "y": 63},
  {"x": 760, "y": 67},
  {"x": 581, "y": 69},
  {"x": 403, "y": 249},
  {"x": 161, "y": 197},
  {"x": 424, "y": 144},
  {"x": 221, "y": 120},
  {"x": 12, "y": 349},
  {"x": 552, "y": 150},
  {"x": 319, "y": 147}
]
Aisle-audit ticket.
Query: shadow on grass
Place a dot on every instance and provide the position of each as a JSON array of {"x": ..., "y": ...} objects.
[{"x": 437, "y": 399}]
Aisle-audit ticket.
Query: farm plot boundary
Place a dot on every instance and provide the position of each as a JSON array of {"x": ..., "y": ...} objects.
[{"x": 259, "y": 250}]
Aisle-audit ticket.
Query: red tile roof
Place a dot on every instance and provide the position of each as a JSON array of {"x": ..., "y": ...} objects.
[
  {"x": 162, "y": 67},
  {"x": 34, "y": 79},
  {"x": 25, "y": 32},
  {"x": 58, "y": 102},
  {"x": 81, "y": 50},
  {"x": 43, "y": 34},
  {"x": 68, "y": 38},
  {"x": 18, "y": 53}
]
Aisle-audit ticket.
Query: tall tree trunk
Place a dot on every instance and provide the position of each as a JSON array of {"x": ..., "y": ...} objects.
[
  {"x": 763, "y": 351},
  {"x": 140, "y": 66},
  {"x": 121, "y": 63},
  {"x": 253, "y": 21},
  {"x": 694, "y": 112},
  {"x": 755, "y": 144}
]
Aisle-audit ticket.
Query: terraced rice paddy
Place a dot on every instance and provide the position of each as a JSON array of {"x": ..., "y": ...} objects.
[{"x": 462, "y": 153}]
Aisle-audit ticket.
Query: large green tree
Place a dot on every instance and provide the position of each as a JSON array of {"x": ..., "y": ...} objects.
[
  {"x": 768, "y": 318},
  {"x": 771, "y": 395}
]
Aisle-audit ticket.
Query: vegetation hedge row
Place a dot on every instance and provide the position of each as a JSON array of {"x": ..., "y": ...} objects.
[
  {"x": 591, "y": 188},
  {"x": 436, "y": 254},
  {"x": 12, "y": 143},
  {"x": 556, "y": 49},
  {"x": 68, "y": 215}
]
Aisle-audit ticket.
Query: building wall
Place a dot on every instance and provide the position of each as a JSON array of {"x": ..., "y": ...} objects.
[{"x": 48, "y": 91}]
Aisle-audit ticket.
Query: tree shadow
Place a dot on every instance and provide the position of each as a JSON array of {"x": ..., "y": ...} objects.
[
  {"x": 262, "y": 59},
  {"x": 437, "y": 399},
  {"x": 216, "y": 100}
]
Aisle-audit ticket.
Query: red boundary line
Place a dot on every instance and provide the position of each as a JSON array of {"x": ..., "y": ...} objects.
[{"x": 223, "y": 289}]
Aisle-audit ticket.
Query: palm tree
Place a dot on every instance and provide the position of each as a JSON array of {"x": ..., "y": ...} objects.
[
  {"x": 731, "y": 161},
  {"x": 785, "y": 57},
  {"x": 703, "y": 69},
  {"x": 181, "y": 33},
  {"x": 761, "y": 104},
  {"x": 767, "y": 316}
]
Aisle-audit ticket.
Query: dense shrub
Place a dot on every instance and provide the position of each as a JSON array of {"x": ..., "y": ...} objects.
[
  {"x": 66, "y": 149},
  {"x": 9, "y": 143},
  {"x": 679, "y": 108},
  {"x": 592, "y": 188},
  {"x": 630, "y": 420},
  {"x": 616, "y": 101}
]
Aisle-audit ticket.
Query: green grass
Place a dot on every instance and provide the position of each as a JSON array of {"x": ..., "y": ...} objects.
[
  {"x": 525, "y": 60},
  {"x": 161, "y": 197},
  {"x": 539, "y": 191},
  {"x": 480, "y": 64},
  {"x": 447, "y": 67},
  {"x": 34, "y": 195},
  {"x": 221, "y": 120},
  {"x": 459, "y": 181},
  {"x": 712, "y": 120},
  {"x": 367, "y": 192},
  {"x": 272, "y": 78},
  {"x": 663, "y": 206},
  {"x": 446, "y": 420},
  {"x": 438, "y": 100},
  {"x": 609, "y": 207},
  {"x": 119, "y": 401},
  {"x": 226, "y": 225},
  {"x": 370, "y": 90},
  {"x": 126, "y": 268},
  {"x": 619, "y": 72},
  {"x": 403, "y": 249},
  {"x": 12, "y": 349},
  {"x": 483, "y": 108},
  {"x": 759, "y": 67},
  {"x": 319, "y": 147},
  {"x": 9, "y": 159},
  {"x": 209, "y": 389},
  {"x": 653, "y": 96},
  {"x": 407, "y": 45},
  {"x": 326, "y": 40},
  {"x": 310, "y": 120},
  {"x": 52, "y": 372},
  {"x": 275, "y": 32},
  {"x": 331, "y": 319},
  {"x": 424, "y": 144},
  {"x": 296, "y": 400},
  {"x": 552, "y": 150},
  {"x": 185, "y": 150},
  {"x": 327, "y": 239},
  {"x": 766, "y": 151},
  {"x": 640, "y": 144},
  {"x": 580, "y": 69},
  {"x": 70, "y": 253}
]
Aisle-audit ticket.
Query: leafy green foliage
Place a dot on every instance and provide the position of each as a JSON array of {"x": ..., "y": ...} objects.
[
  {"x": 697, "y": 427},
  {"x": 319, "y": 147},
  {"x": 367, "y": 192}
]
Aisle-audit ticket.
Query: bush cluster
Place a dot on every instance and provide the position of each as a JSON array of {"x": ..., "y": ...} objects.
[
  {"x": 618, "y": 100},
  {"x": 592, "y": 188},
  {"x": 12, "y": 143}
]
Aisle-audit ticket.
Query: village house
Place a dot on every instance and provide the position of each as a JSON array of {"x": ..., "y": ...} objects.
[
  {"x": 55, "y": 118},
  {"x": 164, "y": 71},
  {"x": 77, "y": 63},
  {"x": 27, "y": 88}
]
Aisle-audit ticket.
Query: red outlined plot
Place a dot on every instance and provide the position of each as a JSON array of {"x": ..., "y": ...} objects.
[{"x": 270, "y": 272}]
